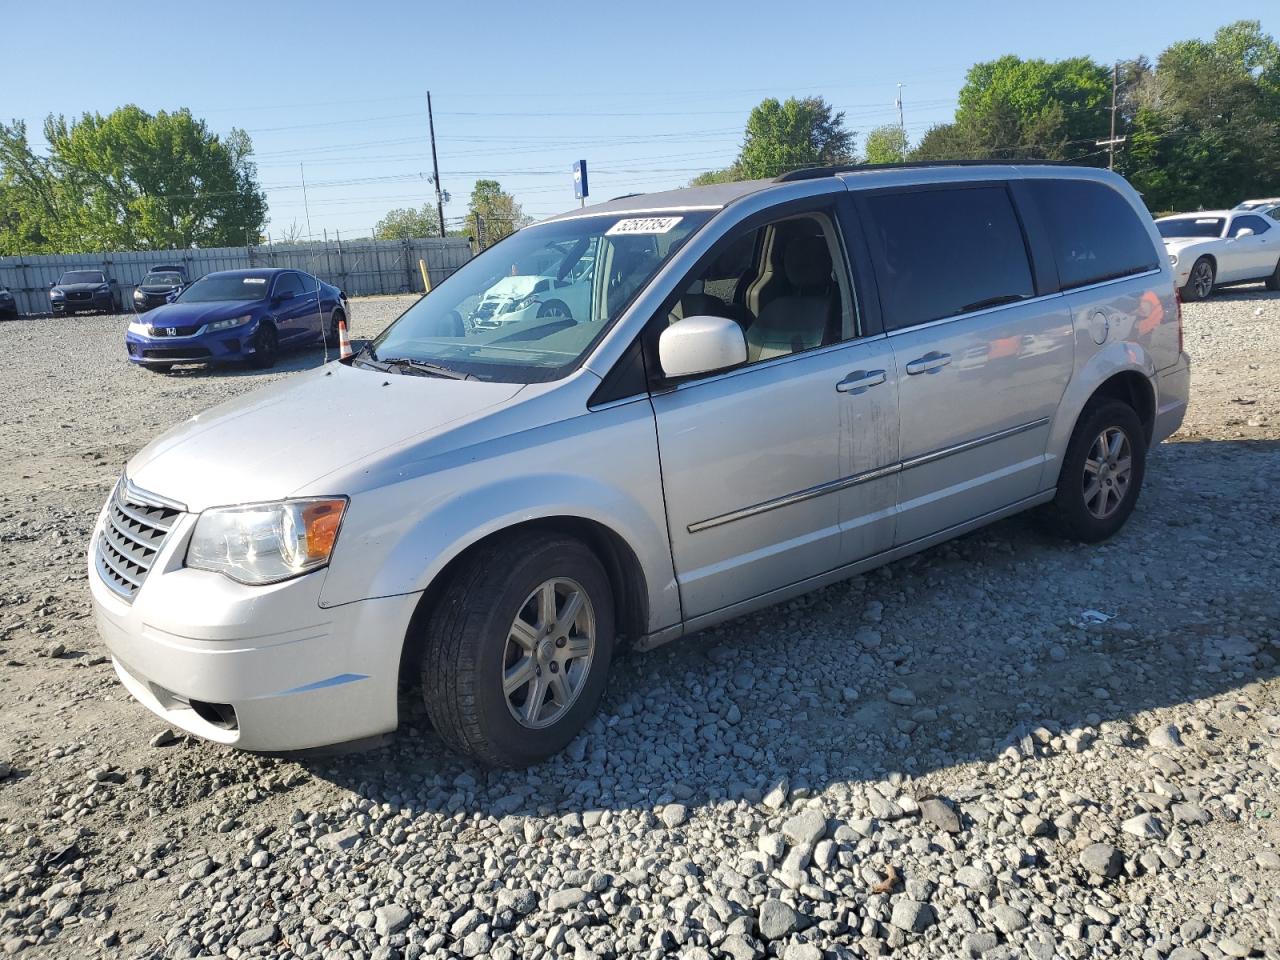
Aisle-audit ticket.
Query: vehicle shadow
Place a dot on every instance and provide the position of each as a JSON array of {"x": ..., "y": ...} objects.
[
  {"x": 1249, "y": 291},
  {"x": 991, "y": 636}
]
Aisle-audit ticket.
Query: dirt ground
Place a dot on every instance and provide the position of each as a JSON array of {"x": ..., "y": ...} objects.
[{"x": 989, "y": 636}]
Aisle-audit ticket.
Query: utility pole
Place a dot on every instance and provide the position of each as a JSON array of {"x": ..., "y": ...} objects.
[
  {"x": 902, "y": 127},
  {"x": 435, "y": 165},
  {"x": 305, "y": 206},
  {"x": 1110, "y": 143}
]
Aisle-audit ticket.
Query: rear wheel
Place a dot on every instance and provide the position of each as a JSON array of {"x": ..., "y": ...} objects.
[
  {"x": 266, "y": 347},
  {"x": 1200, "y": 281},
  {"x": 1102, "y": 472},
  {"x": 517, "y": 649}
]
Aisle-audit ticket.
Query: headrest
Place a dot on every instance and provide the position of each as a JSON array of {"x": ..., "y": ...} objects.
[{"x": 807, "y": 262}]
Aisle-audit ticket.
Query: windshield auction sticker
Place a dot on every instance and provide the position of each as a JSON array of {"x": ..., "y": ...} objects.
[{"x": 643, "y": 225}]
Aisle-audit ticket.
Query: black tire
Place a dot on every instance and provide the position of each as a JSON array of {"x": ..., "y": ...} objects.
[
  {"x": 1074, "y": 514},
  {"x": 160, "y": 367},
  {"x": 1273, "y": 281},
  {"x": 266, "y": 346},
  {"x": 554, "y": 308},
  {"x": 1197, "y": 288},
  {"x": 466, "y": 648},
  {"x": 331, "y": 333}
]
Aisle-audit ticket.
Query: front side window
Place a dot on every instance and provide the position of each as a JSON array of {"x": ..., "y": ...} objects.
[
  {"x": 1256, "y": 224},
  {"x": 216, "y": 287},
  {"x": 288, "y": 283},
  {"x": 784, "y": 283},
  {"x": 531, "y": 307},
  {"x": 947, "y": 252}
]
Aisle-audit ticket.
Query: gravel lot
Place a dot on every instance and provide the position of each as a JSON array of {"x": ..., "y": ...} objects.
[{"x": 1004, "y": 747}]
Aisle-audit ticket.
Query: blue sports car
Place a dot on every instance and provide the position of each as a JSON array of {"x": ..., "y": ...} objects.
[{"x": 238, "y": 315}]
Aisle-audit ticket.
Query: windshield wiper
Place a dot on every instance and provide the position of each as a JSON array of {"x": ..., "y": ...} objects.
[
  {"x": 999, "y": 301},
  {"x": 423, "y": 368}
]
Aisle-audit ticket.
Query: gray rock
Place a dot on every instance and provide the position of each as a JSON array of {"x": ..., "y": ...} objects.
[
  {"x": 777, "y": 920},
  {"x": 258, "y": 936},
  {"x": 566, "y": 899},
  {"x": 1165, "y": 736},
  {"x": 391, "y": 919},
  {"x": 738, "y": 947},
  {"x": 520, "y": 900},
  {"x": 1145, "y": 825},
  {"x": 912, "y": 916},
  {"x": 938, "y": 812},
  {"x": 1008, "y": 919},
  {"x": 674, "y": 814},
  {"x": 802, "y": 951},
  {"x": 1102, "y": 860},
  {"x": 777, "y": 794},
  {"x": 1268, "y": 860},
  {"x": 902, "y": 696},
  {"x": 806, "y": 827},
  {"x": 339, "y": 840},
  {"x": 976, "y": 879},
  {"x": 164, "y": 738},
  {"x": 979, "y": 944},
  {"x": 1235, "y": 948},
  {"x": 260, "y": 859}
]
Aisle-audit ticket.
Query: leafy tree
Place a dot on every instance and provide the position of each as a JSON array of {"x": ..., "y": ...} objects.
[
  {"x": 495, "y": 211},
  {"x": 886, "y": 144},
  {"x": 727, "y": 175},
  {"x": 946, "y": 141},
  {"x": 793, "y": 134},
  {"x": 130, "y": 180},
  {"x": 405, "y": 223}
]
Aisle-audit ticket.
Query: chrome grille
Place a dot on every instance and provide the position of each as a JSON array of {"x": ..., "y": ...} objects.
[{"x": 136, "y": 527}]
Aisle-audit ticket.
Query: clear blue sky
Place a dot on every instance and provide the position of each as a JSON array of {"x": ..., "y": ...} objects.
[{"x": 649, "y": 93}]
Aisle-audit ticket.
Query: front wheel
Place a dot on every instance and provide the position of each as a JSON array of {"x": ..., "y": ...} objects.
[
  {"x": 1102, "y": 473},
  {"x": 517, "y": 649},
  {"x": 266, "y": 347},
  {"x": 1200, "y": 281},
  {"x": 1273, "y": 281},
  {"x": 554, "y": 310}
]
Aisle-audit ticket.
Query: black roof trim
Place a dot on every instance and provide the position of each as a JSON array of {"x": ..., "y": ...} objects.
[{"x": 813, "y": 173}]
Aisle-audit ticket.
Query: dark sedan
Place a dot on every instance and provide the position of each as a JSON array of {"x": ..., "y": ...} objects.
[
  {"x": 158, "y": 288},
  {"x": 8, "y": 305},
  {"x": 238, "y": 315},
  {"x": 78, "y": 290}
]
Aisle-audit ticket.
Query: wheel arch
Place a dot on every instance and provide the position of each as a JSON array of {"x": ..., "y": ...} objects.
[{"x": 621, "y": 564}]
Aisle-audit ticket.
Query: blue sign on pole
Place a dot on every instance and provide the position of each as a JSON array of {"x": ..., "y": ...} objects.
[{"x": 580, "y": 190}]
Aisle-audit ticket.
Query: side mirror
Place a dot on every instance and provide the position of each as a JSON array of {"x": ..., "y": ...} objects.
[
  {"x": 701, "y": 345},
  {"x": 1244, "y": 232}
]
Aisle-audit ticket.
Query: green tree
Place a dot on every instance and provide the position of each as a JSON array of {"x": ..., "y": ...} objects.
[
  {"x": 793, "y": 134},
  {"x": 886, "y": 144},
  {"x": 130, "y": 180},
  {"x": 405, "y": 223},
  {"x": 945, "y": 141},
  {"x": 1205, "y": 130},
  {"x": 726, "y": 175},
  {"x": 494, "y": 212}
]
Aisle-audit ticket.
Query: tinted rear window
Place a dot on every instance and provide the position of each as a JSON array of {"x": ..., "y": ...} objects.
[
  {"x": 1096, "y": 235},
  {"x": 946, "y": 252}
]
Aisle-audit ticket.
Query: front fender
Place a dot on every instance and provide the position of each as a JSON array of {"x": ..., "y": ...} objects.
[
  {"x": 1113, "y": 358},
  {"x": 398, "y": 536}
]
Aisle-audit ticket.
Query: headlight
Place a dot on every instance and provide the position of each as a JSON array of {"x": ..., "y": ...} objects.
[
  {"x": 105, "y": 288},
  {"x": 56, "y": 294},
  {"x": 521, "y": 304},
  {"x": 141, "y": 329},
  {"x": 139, "y": 295},
  {"x": 267, "y": 542},
  {"x": 228, "y": 324}
]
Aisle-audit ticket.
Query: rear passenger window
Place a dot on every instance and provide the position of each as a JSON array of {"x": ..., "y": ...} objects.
[
  {"x": 1096, "y": 235},
  {"x": 947, "y": 252}
]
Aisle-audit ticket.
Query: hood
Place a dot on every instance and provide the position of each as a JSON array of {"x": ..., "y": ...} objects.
[
  {"x": 79, "y": 287},
  {"x": 1178, "y": 244},
  {"x": 196, "y": 314},
  {"x": 271, "y": 443},
  {"x": 158, "y": 287}
]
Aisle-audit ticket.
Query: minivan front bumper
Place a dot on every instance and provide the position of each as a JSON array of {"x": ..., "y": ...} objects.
[{"x": 259, "y": 668}]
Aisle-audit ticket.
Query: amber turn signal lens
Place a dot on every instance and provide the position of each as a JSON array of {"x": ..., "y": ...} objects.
[{"x": 320, "y": 521}]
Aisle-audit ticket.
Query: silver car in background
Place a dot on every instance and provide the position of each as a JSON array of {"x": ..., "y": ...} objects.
[{"x": 767, "y": 387}]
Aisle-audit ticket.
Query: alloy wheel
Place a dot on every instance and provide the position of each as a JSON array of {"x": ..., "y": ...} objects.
[
  {"x": 1202, "y": 279},
  {"x": 1108, "y": 470},
  {"x": 548, "y": 653}
]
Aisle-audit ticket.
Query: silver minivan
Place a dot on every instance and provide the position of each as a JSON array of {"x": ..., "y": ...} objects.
[{"x": 703, "y": 402}]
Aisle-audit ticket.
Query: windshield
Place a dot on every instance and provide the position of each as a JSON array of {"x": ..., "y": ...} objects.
[
  {"x": 83, "y": 276},
  {"x": 226, "y": 287},
  {"x": 162, "y": 279},
  {"x": 528, "y": 309},
  {"x": 1191, "y": 227}
]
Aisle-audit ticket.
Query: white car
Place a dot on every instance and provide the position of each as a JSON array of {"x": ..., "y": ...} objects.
[
  {"x": 516, "y": 298},
  {"x": 1216, "y": 248},
  {"x": 1268, "y": 205}
]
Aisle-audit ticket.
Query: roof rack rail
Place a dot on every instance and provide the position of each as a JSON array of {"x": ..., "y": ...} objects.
[{"x": 813, "y": 173}]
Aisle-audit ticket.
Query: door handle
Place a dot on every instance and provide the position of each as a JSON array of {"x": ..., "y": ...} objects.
[
  {"x": 929, "y": 363},
  {"x": 860, "y": 380}
]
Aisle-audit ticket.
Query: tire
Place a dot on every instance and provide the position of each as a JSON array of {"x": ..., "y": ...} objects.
[
  {"x": 1273, "y": 281},
  {"x": 1200, "y": 281},
  {"x": 1077, "y": 511},
  {"x": 470, "y": 643},
  {"x": 554, "y": 308},
  {"x": 331, "y": 333},
  {"x": 266, "y": 347}
]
